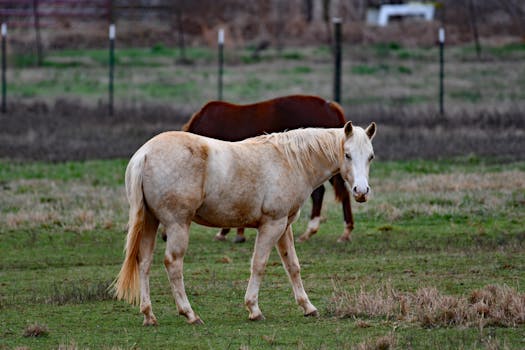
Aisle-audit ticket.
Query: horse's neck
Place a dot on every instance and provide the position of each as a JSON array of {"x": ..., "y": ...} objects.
[{"x": 324, "y": 162}]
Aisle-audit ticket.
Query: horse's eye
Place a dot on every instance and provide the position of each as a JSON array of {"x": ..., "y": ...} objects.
[
  {"x": 347, "y": 156},
  {"x": 371, "y": 157}
]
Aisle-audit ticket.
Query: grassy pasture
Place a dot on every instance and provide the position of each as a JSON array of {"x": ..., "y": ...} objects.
[
  {"x": 387, "y": 74},
  {"x": 455, "y": 225}
]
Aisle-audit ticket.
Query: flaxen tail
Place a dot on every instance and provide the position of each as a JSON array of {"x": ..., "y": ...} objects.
[{"x": 127, "y": 284}]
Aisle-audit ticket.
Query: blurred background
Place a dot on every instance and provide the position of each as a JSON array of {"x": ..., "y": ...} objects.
[{"x": 166, "y": 67}]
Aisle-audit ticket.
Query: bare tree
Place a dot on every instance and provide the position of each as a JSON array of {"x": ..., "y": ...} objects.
[{"x": 515, "y": 10}]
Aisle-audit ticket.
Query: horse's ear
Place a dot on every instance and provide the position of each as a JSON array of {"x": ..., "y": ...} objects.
[
  {"x": 371, "y": 130},
  {"x": 348, "y": 129}
]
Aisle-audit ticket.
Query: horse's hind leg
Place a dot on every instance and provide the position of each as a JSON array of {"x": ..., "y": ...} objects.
[
  {"x": 315, "y": 217},
  {"x": 288, "y": 255},
  {"x": 221, "y": 235},
  {"x": 177, "y": 243},
  {"x": 147, "y": 245},
  {"x": 240, "y": 238}
]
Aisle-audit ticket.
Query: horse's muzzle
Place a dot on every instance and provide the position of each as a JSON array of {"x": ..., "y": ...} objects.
[{"x": 360, "y": 196}]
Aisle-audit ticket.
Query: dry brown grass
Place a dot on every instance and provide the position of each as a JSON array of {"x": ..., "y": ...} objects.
[
  {"x": 386, "y": 342},
  {"x": 36, "y": 330},
  {"x": 455, "y": 193},
  {"x": 492, "y": 305},
  {"x": 73, "y": 206},
  {"x": 502, "y": 181}
]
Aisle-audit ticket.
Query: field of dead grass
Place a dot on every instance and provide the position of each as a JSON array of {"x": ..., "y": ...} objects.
[{"x": 436, "y": 258}]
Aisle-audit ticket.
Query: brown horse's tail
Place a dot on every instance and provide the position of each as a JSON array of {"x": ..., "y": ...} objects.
[
  {"x": 127, "y": 285},
  {"x": 340, "y": 190},
  {"x": 186, "y": 127},
  {"x": 336, "y": 106}
]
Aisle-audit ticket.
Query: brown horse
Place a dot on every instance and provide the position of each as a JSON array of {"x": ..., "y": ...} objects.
[{"x": 230, "y": 122}]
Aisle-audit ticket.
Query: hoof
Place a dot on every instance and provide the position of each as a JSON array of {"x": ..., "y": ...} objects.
[
  {"x": 301, "y": 239},
  {"x": 239, "y": 239},
  {"x": 259, "y": 317},
  {"x": 343, "y": 239},
  {"x": 314, "y": 313},
  {"x": 150, "y": 322},
  {"x": 196, "y": 321},
  {"x": 219, "y": 237}
]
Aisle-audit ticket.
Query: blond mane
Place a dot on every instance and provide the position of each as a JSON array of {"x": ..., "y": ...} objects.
[{"x": 300, "y": 145}]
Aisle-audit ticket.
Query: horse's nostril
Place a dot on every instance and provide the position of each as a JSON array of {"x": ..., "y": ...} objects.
[
  {"x": 354, "y": 189},
  {"x": 367, "y": 189}
]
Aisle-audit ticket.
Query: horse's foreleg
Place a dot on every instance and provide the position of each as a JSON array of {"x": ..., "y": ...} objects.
[
  {"x": 267, "y": 237},
  {"x": 286, "y": 249},
  {"x": 176, "y": 246},
  {"x": 147, "y": 245},
  {"x": 349, "y": 220},
  {"x": 315, "y": 217}
]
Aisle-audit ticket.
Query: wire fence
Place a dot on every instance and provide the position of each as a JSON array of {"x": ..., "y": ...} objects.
[{"x": 37, "y": 15}]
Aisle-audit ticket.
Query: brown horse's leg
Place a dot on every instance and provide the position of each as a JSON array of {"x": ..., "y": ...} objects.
[
  {"x": 267, "y": 236},
  {"x": 147, "y": 245},
  {"x": 349, "y": 220},
  {"x": 221, "y": 235},
  {"x": 341, "y": 193},
  {"x": 315, "y": 217},
  {"x": 286, "y": 250},
  {"x": 240, "y": 238},
  {"x": 176, "y": 246}
]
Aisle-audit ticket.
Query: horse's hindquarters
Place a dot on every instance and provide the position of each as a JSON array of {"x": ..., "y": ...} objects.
[{"x": 174, "y": 175}]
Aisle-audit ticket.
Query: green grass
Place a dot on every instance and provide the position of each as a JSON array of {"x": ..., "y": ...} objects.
[
  {"x": 93, "y": 171},
  {"x": 157, "y": 55},
  {"x": 372, "y": 74},
  {"x": 62, "y": 233}
]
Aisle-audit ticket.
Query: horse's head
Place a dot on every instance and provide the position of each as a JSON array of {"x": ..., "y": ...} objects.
[{"x": 358, "y": 153}]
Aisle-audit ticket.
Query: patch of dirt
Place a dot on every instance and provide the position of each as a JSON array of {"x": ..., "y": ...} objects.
[
  {"x": 68, "y": 130},
  {"x": 409, "y": 133}
]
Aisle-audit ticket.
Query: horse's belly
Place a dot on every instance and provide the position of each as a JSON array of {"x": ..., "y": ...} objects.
[{"x": 228, "y": 215}]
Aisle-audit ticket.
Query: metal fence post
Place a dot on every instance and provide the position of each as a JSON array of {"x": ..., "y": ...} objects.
[
  {"x": 221, "y": 62},
  {"x": 111, "y": 66},
  {"x": 337, "y": 59},
  {"x": 441, "y": 68},
  {"x": 4, "y": 64},
  {"x": 38, "y": 38}
]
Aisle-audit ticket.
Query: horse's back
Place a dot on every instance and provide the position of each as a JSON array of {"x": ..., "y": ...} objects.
[
  {"x": 175, "y": 168},
  {"x": 230, "y": 122},
  {"x": 303, "y": 111},
  {"x": 216, "y": 183}
]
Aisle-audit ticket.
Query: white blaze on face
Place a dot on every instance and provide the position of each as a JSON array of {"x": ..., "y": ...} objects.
[
  {"x": 358, "y": 155},
  {"x": 360, "y": 169}
]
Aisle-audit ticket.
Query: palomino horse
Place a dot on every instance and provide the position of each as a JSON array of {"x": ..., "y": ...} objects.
[
  {"x": 179, "y": 177},
  {"x": 230, "y": 122}
]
